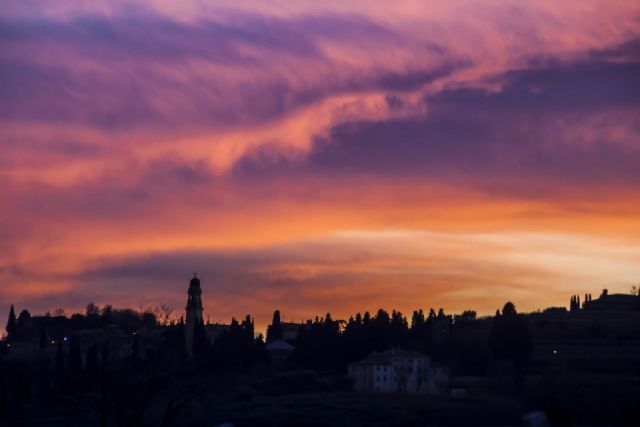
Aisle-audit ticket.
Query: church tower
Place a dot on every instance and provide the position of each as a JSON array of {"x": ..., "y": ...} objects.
[{"x": 194, "y": 311}]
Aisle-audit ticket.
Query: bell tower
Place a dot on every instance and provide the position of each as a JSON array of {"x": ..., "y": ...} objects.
[{"x": 194, "y": 310}]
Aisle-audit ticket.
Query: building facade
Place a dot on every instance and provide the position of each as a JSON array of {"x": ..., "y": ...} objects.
[
  {"x": 398, "y": 371},
  {"x": 613, "y": 302}
]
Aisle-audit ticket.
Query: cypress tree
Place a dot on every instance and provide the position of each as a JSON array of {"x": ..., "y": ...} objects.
[
  {"x": 248, "y": 328},
  {"x": 417, "y": 320},
  {"x": 23, "y": 330},
  {"x": 11, "y": 323},
  {"x": 510, "y": 339},
  {"x": 274, "y": 331},
  {"x": 366, "y": 319}
]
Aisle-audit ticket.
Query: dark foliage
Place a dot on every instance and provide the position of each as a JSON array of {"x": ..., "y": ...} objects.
[
  {"x": 510, "y": 338},
  {"x": 236, "y": 349},
  {"x": 149, "y": 377},
  {"x": 11, "y": 323},
  {"x": 274, "y": 331}
]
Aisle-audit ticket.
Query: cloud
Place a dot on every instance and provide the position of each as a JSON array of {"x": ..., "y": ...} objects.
[
  {"x": 118, "y": 73},
  {"x": 242, "y": 137},
  {"x": 547, "y": 129},
  {"x": 215, "y": 83}
]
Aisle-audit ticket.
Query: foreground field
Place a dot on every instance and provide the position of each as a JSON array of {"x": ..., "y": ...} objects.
[{"x": 353, "y": 410}]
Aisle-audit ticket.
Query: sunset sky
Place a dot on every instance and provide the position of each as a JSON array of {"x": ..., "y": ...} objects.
[{"x": 318, "y": 156}]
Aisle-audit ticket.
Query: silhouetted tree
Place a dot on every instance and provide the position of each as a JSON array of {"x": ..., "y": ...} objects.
[
  {"x": 319, "y": 346},
  {"x": 466, "y": 316},
  {"x": 23, "y": 330},
  {"x": 107, "y": 314},
  {"x": 574, "y": 305},
  {"x": 11, "y": 323},
  {"x": 366, "y": 319},
  {"x": 247, "y": 326},
  {"x": 274, "y": 331},
  {"x": 92, "y": 310},
  {"x": 439, "y": 329},
  {"x": 236, "y": 348},
  {"x": 510, "y": 339},
  {"x": 149, "y": 319},
  {"x": 399, "y": 330},
  {"x": 165, "y": 314},
  {"x": 417, "y": 320},
  {"x": 355, "y": 341}
]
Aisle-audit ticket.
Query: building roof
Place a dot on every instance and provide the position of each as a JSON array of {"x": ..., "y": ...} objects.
[
  {"x": 614, "y": 302},
  {"x": 386, "y": 357},
  {"x": 290, "y": 325},
  {"x": 620, "y": 297},
  {"x": 280, "y": 345}
]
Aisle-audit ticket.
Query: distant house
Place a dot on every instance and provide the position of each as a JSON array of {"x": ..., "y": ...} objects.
[
  {"x": 280, "y": 350},
  {"x": 288, "y": 330},
  {"x": 613, "y": 302},
  {"x": 400, "y": 371}
]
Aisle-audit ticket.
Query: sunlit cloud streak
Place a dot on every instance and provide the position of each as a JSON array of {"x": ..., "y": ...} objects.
[{"x": 405, "y": 269}]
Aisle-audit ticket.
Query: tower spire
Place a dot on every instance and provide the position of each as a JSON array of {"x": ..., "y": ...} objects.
[{"x": 193, "y": 310}]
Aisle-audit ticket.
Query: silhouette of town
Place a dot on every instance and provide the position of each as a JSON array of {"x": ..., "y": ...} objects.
[{"x": 121, "y": 367}]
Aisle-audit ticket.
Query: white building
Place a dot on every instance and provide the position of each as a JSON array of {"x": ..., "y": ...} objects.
[{"x": 398, "y": 370}]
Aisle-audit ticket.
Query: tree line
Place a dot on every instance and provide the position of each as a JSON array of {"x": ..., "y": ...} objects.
[{"x": 160, "y": 366}]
